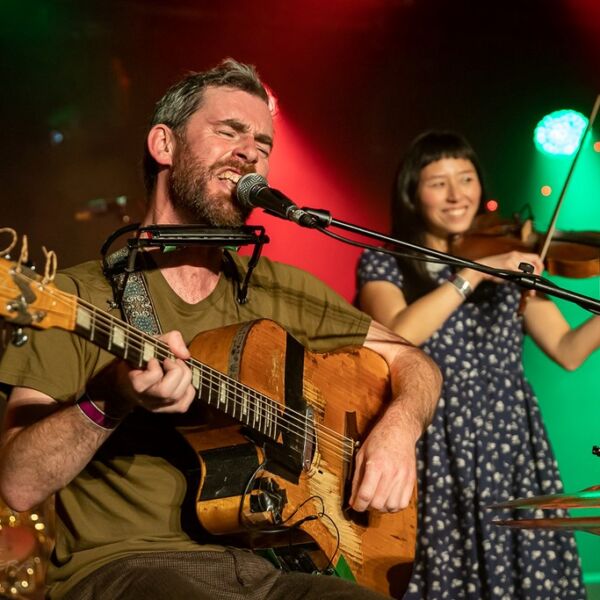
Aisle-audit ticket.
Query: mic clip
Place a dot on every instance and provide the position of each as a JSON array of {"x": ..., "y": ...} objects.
[
  {"x": 320, "y": 217},
  {"x": 298, "y": 215}
]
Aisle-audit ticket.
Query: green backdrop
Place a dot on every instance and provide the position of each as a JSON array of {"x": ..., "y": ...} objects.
[
  {"x": 570, "y": 401},
  {"x": 570, "y": 404}
]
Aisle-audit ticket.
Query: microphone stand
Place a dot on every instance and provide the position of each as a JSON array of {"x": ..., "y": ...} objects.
[{"x": 525, "y": 278}]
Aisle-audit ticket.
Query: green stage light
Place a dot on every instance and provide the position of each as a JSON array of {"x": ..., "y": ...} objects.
[{"x": 560, "y": 132}]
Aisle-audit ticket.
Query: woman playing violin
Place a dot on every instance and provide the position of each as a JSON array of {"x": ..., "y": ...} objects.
[{"x": 487, "y": 442}]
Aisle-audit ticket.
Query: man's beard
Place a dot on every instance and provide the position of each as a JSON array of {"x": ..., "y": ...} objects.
[{"x": 188, "y": 190}]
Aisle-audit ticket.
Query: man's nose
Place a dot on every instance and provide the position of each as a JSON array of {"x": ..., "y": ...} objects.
[{"x": 246, "y": 149}]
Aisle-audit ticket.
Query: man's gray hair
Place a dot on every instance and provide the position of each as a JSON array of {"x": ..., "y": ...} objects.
[{"x": 185, "y": 97}]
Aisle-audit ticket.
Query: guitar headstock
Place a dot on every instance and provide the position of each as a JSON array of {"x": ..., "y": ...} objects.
[{"x": 27, "y": 301}]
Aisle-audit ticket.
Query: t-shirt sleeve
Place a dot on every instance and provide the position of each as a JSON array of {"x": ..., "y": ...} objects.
[
  {"x": 306, "y": 307},
  {"x": 329, "y": 321},
  {"x": 52, "y": 361},
  {"x": 377, "y": 266}
]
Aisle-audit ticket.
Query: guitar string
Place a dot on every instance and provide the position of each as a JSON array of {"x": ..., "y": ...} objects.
[
  {"x": 212, "y": 379},
  {"x": 106, "y": 320},
  {"x": 292, "y": 421}
]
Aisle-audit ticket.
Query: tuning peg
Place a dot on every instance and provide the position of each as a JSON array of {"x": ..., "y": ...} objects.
[{"x": 18, "y": 337}]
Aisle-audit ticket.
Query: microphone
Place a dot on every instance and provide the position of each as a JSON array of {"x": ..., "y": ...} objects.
[{"x": 253, "y": 191}]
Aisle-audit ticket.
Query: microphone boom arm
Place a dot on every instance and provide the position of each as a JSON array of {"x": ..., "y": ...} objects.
[{"x": 524, "y": 278}]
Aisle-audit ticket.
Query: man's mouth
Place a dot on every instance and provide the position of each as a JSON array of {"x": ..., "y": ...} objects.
[{"x": 232, "y": 176}]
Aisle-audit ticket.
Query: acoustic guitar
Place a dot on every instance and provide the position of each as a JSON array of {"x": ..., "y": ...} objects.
[{"x": 279, "y": 467}]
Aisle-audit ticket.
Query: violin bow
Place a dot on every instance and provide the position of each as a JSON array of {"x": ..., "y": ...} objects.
[{"x": 552, "y": 226}]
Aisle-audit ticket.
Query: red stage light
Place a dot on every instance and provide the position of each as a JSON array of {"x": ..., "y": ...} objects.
[
  {"x": 546, "y": 190},
  {"x": 491, "y": 205}
]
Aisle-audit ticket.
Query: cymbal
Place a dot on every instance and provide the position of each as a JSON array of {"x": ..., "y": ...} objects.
[
  {"x": 588, "y": 524},
  {"x": 588, "y": 498}
]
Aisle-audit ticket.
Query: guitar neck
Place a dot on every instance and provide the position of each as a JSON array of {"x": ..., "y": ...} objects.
[{"x": 227, "y": 395}]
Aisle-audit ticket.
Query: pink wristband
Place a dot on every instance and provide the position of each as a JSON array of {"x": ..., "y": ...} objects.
[{"x": 95, "y": 415}]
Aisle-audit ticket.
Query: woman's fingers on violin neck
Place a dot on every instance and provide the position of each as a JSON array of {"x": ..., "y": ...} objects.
[
  {"x": 532, "y": 259},
  {"x": 512, "y": 260}
]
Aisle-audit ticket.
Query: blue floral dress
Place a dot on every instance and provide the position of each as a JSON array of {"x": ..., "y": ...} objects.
[{"x": 486, "y": 444}]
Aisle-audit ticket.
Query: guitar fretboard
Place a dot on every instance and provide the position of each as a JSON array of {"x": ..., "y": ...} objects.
[{"x": 238, "y": 401}]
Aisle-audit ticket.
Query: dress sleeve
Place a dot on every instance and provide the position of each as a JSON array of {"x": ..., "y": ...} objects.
[{"x": 376, "y": 266}]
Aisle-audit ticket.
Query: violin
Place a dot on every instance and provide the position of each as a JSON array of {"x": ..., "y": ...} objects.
[
  {"x": 573, "y": 254},
  {"x": 570, "y": 254}
]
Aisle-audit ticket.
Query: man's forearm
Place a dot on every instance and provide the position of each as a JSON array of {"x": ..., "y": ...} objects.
[
  {"x": 385, "y": 466},
  {"x": 416, "y": 379},
  {"x": 41, "y": 458},
  {"x": 416, "y": 387}
]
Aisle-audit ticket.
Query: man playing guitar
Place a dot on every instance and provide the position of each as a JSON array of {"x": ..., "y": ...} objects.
[{"x": 100, "y": 433}]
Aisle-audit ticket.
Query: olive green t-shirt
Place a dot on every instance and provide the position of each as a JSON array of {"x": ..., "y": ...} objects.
[{"x": 133, "y": 496}]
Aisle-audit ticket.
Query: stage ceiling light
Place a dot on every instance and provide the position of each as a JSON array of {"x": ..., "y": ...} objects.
[{"x": 560, "y": 132}]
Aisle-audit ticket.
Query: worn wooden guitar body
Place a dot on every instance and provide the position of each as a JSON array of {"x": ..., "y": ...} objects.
[{"x": 343, "y": 393}]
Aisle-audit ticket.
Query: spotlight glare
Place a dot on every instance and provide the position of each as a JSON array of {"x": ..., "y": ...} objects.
[
  {"x": 546, "y": 190},
  {"x": 560, "y": 132},
  {"x": 56, "y": 137},
  {"x": 491, "y": 205}
]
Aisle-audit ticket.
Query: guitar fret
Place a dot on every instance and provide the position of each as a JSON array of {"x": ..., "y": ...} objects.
[
  {"x": 274, "y": 425},
  {"x": 223, "y": 394},
  {"x": 147, "y": 352},
  {"x": 133, "y": 353},
  {"x": 92, "y": 325},
  {"x": 215, "y": 389},
  {"x": 257, "y": 415},
  {"x": 196, "y": 378},
  {"x": 83, "y": 318},
  {"x": 140, "y": 356},
  {"x": 244, "y": 408},
  {"x": 209, "y": 388},
  {"x": 232, "y": 401},
  {"x": 118, "y": 336},
  {"x": 205, "y": 389},
  {"x": 250, "y": 418},
  {"x": 267, "y": 423}
]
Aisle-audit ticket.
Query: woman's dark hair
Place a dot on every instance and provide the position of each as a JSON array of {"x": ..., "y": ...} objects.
[{"x": 407, "y": 220}]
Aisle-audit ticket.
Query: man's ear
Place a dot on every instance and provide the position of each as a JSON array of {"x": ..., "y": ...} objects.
[{"x": 161, "y": 144}]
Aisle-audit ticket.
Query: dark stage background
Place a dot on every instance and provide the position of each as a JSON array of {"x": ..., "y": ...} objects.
[{"x": 356, "y": 80}]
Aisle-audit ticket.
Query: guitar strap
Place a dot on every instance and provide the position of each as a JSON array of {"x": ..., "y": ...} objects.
[
  {"x": 130, "y": 289},
  {"x": 130, "y": 292}
]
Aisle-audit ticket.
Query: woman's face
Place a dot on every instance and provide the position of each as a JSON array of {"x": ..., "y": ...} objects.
[{"x": 449, "y": 191}]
